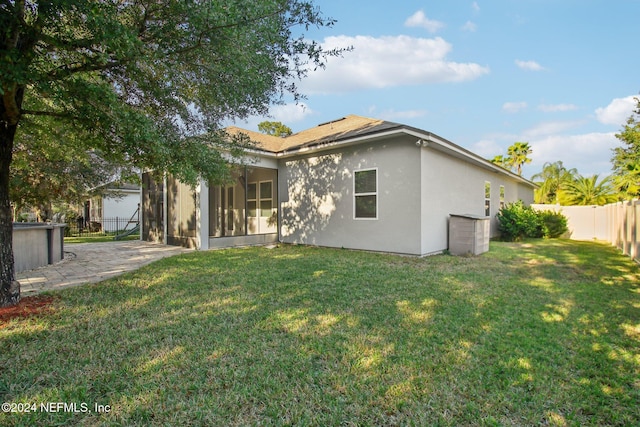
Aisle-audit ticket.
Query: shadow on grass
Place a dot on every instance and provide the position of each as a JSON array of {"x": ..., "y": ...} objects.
[{"x": 528, "y": 334}]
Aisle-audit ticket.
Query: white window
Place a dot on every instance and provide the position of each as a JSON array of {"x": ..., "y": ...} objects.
[
  {"x": 262, "y": 199},
  {"x": 365, "y": 190},
  {"x": 252, "y": 199},
  {"x": 266, "y": 199},
  {"x": 261, "y": 207},
  {"x": 501, "y": 196},
  {"x": 487, "y": 198}
]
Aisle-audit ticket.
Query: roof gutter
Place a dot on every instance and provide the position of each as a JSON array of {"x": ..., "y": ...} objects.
[{"x": 443, "y": 145}]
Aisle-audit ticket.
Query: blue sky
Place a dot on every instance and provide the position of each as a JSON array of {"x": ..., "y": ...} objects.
[{"x": 559, "y": 74}]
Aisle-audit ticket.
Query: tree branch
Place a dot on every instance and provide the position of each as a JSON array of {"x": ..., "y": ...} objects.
[
  {"x": 45, "y": 113},
  {"x": 67, "y": 70}
]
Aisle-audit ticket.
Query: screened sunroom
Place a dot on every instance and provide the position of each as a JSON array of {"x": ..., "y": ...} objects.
[
  {"x": 242, "y": 212},
  {"x": 247, "y": 207}
]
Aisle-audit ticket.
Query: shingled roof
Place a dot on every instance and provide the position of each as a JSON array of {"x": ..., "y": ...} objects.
[
  {"x": 353, "y": 128},
  {"x": 336, "y": 130}
]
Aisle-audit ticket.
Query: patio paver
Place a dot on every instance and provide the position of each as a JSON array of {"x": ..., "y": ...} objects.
[{"x": 93, "y": 262}]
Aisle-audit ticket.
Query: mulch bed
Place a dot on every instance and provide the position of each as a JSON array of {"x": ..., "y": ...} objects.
[{"x": 27, "y": 307}]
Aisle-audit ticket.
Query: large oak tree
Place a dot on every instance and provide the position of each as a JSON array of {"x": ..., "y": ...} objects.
[
  {"x": 50, "y": 168},
  {"x": 146, "y": 83}
]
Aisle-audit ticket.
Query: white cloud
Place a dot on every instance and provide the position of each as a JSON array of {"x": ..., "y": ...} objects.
[
  {"x": 513, "y": 107},
  {"x": 487, "y": 149},
  {"x": 419, "y": 19},
  {"x": 475, "y": 7},
  {"x": 617, "y": 112},
  {"x": 380, "y": 62},
  {"x": 288, "y": 114},
  {"x": 291, "y": 113},
  {"x": 549, "y": 128},
  {"x": 590, "y": 153},
  {"x": 470, "y": 26},
  {"x": 552, "y": 108},
  {"x": 529, "y": 65}
]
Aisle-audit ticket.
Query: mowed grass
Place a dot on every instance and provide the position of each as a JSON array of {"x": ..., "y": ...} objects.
[
  {"x": 538, "y": 333},
  {"x": 99, "y": 238}
]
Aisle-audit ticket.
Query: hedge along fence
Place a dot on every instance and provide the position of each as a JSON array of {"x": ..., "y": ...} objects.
[{"x": 617, "y": 223}]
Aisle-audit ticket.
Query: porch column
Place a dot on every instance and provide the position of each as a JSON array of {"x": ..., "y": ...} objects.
[
  {"x": 141, "y": 211},
  {"x": 165, "y": 210},
  {"x": 202, "y": 216}
]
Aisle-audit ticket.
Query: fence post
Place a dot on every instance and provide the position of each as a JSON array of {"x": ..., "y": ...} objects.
[
  {"x": 631, "y": 229},
  {"x": 620, "y": 225},
  {"x": 625, "y": 212},
  {"x": 610, "y": 219},
  {"x": 612, "y": 224}
]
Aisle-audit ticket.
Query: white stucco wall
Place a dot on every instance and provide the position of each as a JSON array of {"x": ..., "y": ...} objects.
[
  {"x": 418, "y": 188},
  {"x": 453, "y": 186},
  {"x": 317, "y": 200}
]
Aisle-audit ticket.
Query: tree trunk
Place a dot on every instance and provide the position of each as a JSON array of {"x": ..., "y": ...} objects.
[{"x": 9, "y": 287}]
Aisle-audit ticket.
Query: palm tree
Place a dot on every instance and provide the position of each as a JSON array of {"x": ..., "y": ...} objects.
[
  {"x": 588, "y": 191},
  {"x": 500, "y": 160},
  {"x": 627, "y": 180},
  {"x": 518, "y": 155},
  {"x": 552, "y": 180}
]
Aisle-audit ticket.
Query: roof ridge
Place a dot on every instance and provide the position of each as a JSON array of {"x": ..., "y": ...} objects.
[{"x": 327, "y": 131}]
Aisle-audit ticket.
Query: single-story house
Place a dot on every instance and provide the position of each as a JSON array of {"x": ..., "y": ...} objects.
[{"x": 355, "y": 182}]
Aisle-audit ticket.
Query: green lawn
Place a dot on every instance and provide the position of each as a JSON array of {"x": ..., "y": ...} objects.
[
  {"x": 538, "y": 333},
  {"x": 99, "y": 238}
]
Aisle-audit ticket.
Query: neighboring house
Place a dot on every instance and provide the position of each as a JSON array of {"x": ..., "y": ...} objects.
[
  {"x": 117, "y": 202},
  {"x": 355, "y": 183}
]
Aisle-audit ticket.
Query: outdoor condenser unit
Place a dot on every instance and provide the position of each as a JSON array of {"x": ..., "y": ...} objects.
[{"x": 468, "y": 234}]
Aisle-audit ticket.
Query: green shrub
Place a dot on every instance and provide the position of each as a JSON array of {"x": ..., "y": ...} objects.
[
  {"x": 554, "y": 224},
  {"x": 516, "y": 221}
]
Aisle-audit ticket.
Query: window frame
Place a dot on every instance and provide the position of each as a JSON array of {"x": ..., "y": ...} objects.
[
  {"x": 365, "y": 194},
  {"x": 487, "y": 198}
]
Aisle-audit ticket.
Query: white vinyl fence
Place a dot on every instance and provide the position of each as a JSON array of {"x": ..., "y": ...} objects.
[{"x": 616, "y": 223}]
